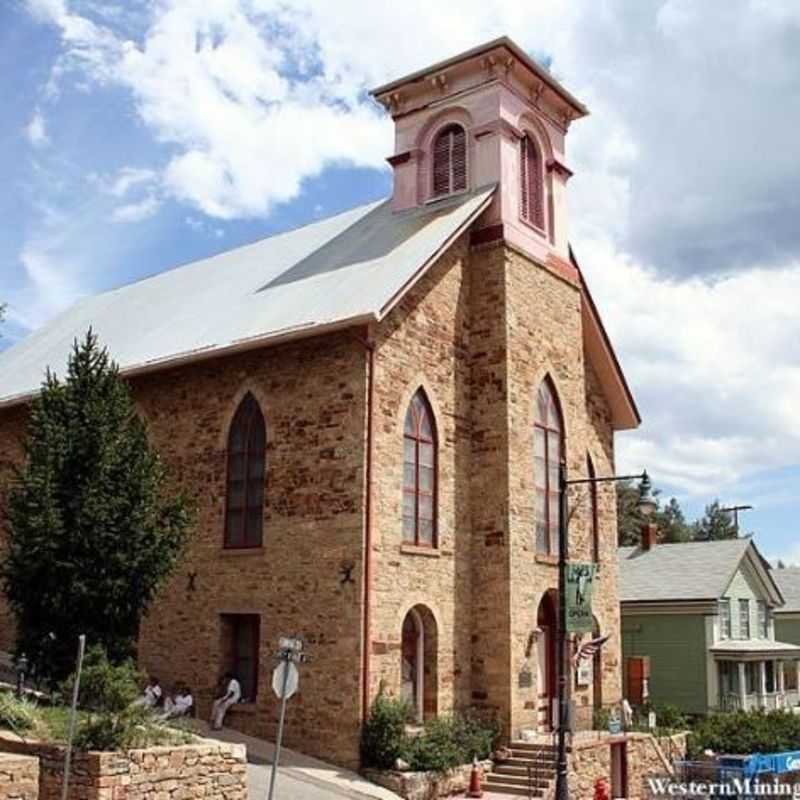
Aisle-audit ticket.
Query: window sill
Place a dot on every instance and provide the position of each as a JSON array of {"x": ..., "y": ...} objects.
[
  {"x": 248, "y": 709},
  {"x": 241, "y": 551},
  {"x": 416, "y": 550},
  {"x": 543, "y": 558},
  {"x": 533, "y": 226}
]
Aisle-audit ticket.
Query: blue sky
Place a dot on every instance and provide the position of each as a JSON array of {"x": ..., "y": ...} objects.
[{"x": 141, "y": 135}]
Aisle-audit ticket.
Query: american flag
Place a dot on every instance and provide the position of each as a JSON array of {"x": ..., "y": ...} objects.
[{"x": 589, "y": 648}]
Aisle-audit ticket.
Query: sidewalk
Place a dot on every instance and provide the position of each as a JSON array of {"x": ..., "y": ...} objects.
[{"x": 339, "y": 781}]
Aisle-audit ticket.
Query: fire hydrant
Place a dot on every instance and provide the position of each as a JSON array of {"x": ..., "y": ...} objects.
[
  {"x": 475, "y": 780},
  {"x": 601, "y": 789}
]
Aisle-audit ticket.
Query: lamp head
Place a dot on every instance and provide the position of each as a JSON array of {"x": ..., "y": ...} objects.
[{"x": 646, "y": 505}]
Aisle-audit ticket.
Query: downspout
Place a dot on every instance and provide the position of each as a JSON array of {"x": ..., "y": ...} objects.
[{"x": 369, "y": 347}]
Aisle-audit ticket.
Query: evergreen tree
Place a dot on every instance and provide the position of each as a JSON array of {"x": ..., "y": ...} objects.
[
  {"x": 671, "y": 522},
  {"x": 715, "y": 524},
  {"x": 629, "y": 518},
  {"x": 93, "y": 531}
]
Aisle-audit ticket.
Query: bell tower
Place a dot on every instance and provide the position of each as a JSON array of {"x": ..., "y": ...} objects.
[{"x": 490, "y": 115}]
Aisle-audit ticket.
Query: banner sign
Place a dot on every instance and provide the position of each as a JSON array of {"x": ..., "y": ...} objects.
[{"x": 580, "y": 578}]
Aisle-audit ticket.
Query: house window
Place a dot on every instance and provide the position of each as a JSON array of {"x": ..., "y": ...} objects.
[
  {"x": 419, "y": 473},
  {"x": 594, "y": 521},
  {"x": 246, "y": 467},
  {"x": 744, "y": 619},
  {"x": 547, "y": 449},
  {"x": 725, "y": 619},
  {"x": 450, "y": 161},
  {"x": 753, "y": 677},
  {"x": 763, "y": 620},
  {"x": 531, "y": 183},
  {"x": 240, "y": 642}
]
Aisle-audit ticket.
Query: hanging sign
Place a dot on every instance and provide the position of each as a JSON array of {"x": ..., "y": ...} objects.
[{"x": 580, "y": 578}]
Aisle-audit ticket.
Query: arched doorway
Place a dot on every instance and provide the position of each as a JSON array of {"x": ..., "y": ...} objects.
[
  {"x": 597, "y": 669},
  {"x": 418, "y": 662},
  {"x": 547, "y": 622}
]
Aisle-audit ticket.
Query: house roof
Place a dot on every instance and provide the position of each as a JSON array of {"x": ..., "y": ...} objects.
[
  {"x": 754, "y": 648},
  {"x": 788, "y": 580},
  {"x": 345, "y": 270},
  {"x": 687, "y": 571}
]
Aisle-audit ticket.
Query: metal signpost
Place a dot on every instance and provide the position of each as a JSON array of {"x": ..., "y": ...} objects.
[
  {"x": 285, "y": 680},
  {"x": 73, "y": 712}
]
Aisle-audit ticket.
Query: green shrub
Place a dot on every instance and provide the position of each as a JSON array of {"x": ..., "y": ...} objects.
[
  {"x": 445, "y": 742},
  {"x": 19, "y": 715},
  {"x": 744, "y": 732},
  {"x": 383, "y": 734}
]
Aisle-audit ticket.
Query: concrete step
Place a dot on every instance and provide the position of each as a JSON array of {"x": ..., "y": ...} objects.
[
  {"x": 540, "y": 781},
  {"x": 492, "y": 784},
  {"x": 545, "y": 748},
  {"x": 535, "y": 763},
  {"x": 512, "y": 769}
]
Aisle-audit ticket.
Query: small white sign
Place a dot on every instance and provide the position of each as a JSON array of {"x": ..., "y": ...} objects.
[
  {"x": 290, "y": 643},
  {"x": 292, "y": 679}
]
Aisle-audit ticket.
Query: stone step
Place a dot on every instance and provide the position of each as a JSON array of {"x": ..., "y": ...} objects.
[{"x": 492, "y": 784}]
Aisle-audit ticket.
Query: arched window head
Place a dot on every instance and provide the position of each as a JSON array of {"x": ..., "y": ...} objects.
[
  {"x": 594, "y": 522},
  {"x": 450, "y": 161},
  {"x": 244, "y": 507},
  {"x": 531, "y": 196},
  {"x": 547, "y": 453},
  {"x": 419, "y": 473}
]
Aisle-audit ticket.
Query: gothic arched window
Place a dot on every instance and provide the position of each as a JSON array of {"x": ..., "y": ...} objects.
[
  {"x": 594, "y": 522},
  {"x": 244, "y": 506},
  {"x": 547, "y": 454},
  {"x": 450, "y": 161},
  {"x": 531, "y": 182},
  {"x": 419, "y": 473}
]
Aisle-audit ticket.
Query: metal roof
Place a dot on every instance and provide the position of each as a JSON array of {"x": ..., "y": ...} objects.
[
  {"x": 788, "y": 580},
  {"x": 347, "y": 269},
  {"x": 675, "y": 572}
]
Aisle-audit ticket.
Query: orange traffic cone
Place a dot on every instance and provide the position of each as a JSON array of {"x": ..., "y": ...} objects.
[{"x": 475, "y": 780}]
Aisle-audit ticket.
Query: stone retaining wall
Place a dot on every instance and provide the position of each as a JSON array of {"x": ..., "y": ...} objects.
[
  {"x": 211, "y": 770},
  {"x": 425, "y": 785},
  {"x": 19, "y": 777}
]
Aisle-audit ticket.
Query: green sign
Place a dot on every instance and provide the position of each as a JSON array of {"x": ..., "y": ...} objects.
[{"x": 580, "y": 578}]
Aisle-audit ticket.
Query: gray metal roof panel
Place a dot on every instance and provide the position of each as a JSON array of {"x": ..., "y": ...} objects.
[
  {"x": 674, "y": 572},
  {"x": 343, "y": 268}
]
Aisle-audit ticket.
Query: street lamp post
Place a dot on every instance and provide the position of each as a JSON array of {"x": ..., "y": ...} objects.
[{"x": 646, "y": 507}]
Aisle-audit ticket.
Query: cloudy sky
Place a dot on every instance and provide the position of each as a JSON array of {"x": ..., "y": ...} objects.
[{"x": 137, "y": 136}]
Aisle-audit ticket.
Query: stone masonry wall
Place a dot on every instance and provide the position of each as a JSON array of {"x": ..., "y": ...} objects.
[
  {"x": 312, "y": 394},
  {"x": 545, "y": 338},
  {"x": 423, "y": 343},
  {"x": 19, "y": 777},
  {"x": 211, "y": 770}
]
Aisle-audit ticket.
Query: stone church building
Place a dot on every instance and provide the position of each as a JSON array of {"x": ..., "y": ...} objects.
[{"x": 369, "y": 412}]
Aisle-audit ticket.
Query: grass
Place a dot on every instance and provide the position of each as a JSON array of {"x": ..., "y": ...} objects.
[{"x": 50, "y": 724}]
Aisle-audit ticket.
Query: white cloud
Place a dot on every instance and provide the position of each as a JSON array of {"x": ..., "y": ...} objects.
[
  {"x": 136, "y": 212},
  {"x": 36, "y": 130},
  {"x": 687, "y": 168}
]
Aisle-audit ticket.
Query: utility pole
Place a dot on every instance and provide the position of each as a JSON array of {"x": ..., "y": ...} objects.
[{"x": 735, "y": 510}]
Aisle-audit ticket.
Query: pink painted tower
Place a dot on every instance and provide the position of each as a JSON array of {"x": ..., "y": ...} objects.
[{"x": 491, "y": 115}]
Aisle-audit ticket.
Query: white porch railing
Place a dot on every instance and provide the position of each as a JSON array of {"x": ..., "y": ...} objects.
[{"x": 770, "y": 701}]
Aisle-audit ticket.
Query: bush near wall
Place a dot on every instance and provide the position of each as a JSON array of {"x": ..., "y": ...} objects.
[
  {"x": 745, "y": 732},
  {"x": 446, "y": 742}
]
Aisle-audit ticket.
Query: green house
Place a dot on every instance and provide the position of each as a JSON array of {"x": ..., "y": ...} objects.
[
  {"x": 704, "y": 614},
  {"x": 787, "y": 617}
]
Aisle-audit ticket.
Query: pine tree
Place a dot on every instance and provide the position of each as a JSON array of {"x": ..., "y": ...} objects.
[
  {"x": 93, "y": 530},
  {"x": 671, "y": 522},
  {"x": 715, "y": 524}
]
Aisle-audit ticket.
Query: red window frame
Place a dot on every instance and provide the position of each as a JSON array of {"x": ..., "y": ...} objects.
[
  {"x": 593, "y": 503},
  {"x": 531, "y": 183},
  {"x": 414, "y": 433},
  {"x": 449, "y": 161},
  {"x": 548, "y": 420},
  {"x": 246, "y": 470}
]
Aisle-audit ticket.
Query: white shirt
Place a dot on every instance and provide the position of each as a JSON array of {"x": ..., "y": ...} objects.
[
  {"x": 152, "y": 694},
  {"x": 183, "y": 702},
  {"x": 234, "y": 690}
]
